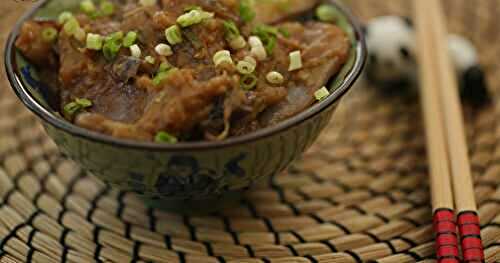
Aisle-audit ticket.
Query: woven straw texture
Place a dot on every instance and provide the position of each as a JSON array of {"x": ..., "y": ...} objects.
[{"x": 360, "y": 194}]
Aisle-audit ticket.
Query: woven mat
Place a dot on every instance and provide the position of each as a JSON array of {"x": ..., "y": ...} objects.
[{"x": 360, "y": 194}]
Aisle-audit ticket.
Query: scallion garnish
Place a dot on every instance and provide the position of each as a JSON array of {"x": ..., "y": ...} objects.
[
  {"x": 64, "y": 17},
  {"x": 233, "y": 36},
  {"x": 222, "y": 57},
  {"x": 295, "y": 60},
  {"x": 162, "y": 75},
  {"x": 173, "y": 35},
  {"x": 268, "y": 35},
  {"x": 163, "y": 50},
  {"x": 165, "y": 137},
  {"x": 71, "y": 26},
  {"x": 327, "y": 13},
  {"x": 193, "y": 17},
  {"x": 245, "y": 67},
  {"x": 94, "y": 41},
  {"x": 112, "y": 45},
  {"x": 80, "y": 34},
  {"x": 130, "y": 39},
  {"x": 150, "y": 59},
  {"x": 88, "y": 7},
  {"x": 72, "y": 108},
  {"x": 147, "y": 2},
  {"x": 135, "y": 51},
  {"x": 107, "y": 8},
  {"x": 257, "y": 49},
  {"x": 284, "y": 32},
  {"x": 321, "y": 94},
  {"x": 247, "y": 12},
  {"x": 275, "y": 77},
  {"x": 49, "y": 34},
  {"x": 248, "y": 82}
]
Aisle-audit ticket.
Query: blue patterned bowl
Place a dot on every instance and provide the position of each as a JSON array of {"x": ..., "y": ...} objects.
[{"x": 187, "y": 171}]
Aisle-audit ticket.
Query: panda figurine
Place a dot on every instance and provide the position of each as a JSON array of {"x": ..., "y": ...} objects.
[{"x": 392, "y": 61}]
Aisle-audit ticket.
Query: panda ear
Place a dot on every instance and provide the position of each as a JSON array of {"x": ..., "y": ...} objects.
[{"x": 408, "y": 21}]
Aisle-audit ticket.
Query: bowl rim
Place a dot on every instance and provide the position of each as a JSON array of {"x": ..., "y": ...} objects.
[{"x": 49, "y": 117}]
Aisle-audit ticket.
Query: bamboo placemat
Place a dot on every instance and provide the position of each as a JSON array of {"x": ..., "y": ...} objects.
[{"x": 360, "y": 194}]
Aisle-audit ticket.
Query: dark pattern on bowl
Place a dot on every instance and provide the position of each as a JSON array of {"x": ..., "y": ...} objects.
[{"x": 189, "y": 171}]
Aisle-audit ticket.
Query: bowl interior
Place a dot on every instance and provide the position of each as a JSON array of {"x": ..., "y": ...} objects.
[{"x": 37, "y": 96}]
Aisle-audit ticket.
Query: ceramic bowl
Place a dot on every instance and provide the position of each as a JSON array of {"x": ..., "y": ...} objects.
[{"x": 187, "y": 171}]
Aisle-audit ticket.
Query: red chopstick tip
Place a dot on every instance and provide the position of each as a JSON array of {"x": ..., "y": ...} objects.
[{"x": 446, "y": 237}]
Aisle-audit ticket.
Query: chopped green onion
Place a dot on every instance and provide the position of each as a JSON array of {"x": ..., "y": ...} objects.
[
  {"x": 88, "y": 7},
  {"x": 164, "y": 50},
  {"x": 107, "y": 8},
  {"x": 257, "y": 49},
  {"x": 247, "y": 12},
  {"x": 71, "y": 26},
  {"x": 173, "y": 35},
  {"x": 165, "y": 137},
  {"x": 112, "y": 45},
  {"x": 70, "y": 109},
  {"x": 295, "y": 60},
  {"x": 162, "y": 75},
  {"x": 275, "y": 77},
  {"x": 94, "y": 41},
  {"x": 248, "y": 82},
  {"x": 268, "y": 35},
  {"x": 231, "y": 30},
  {"x": 193, "y": 17},
  {"x": 64, "y": 17},
  {"x": 150, "y": 59},
  {"x": 49, "y": 34},
  {"x": 130, "y": 39},
  {"x": 238, "y": 43},
  {"x": 321, "y": 94},
  {"x": 222, "y": 56},
  {"x": 284, "y": 32},
  {"x": 192, "y": 7},
  {"x": 245, "y": 67},
  {"x": 80, "y": 34},
  {"x": 233, "y": 36},
  {"x": 135, "y": 51},
  {"x": 327, "y": 13},
  {"x": 164, "y": 66},
  {"x": 147, "y": 2}
]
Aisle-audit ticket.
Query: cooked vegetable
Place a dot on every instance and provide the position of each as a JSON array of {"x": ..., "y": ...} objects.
[
  {"x": 327, "y": 13},
  {"x": 64, "y": 17},
  {"x": 150, "y": 59},
  {"x": 173, "y": 35},
  {"x": 223, "y": 56},
  {"x": 135, "y": 51},
  {"x": 322, "y": 94},
  {"x": 49, "y": 34},
  {"x": 275, "y": 77},
  {"x": 295, "y": 60},
  {"x": 247, "y": 13},
  {"x": 76, "y": 106},
  {"x": 130, "y": 39},
  {"x": 147, "y": 2},
  {"x": 193, "y": 17},
  {"x": 94, "y": 41},
  {"x": 163, "y": 50},
  {"x": 268, "y": 35},
  {"x": 165, "y": 137},
  {"x": 258, "y": 49},
  {"x": 112, "y": 45},
  {"x": 107, "y": 8},
  {"x": 248, "y": 82},
  {"x": 71, "y": 26},
  {"x": 88, "y": 7},
  {"x": 245, "y": 67}
]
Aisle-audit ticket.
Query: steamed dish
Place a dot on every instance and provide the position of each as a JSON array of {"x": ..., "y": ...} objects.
[{"x": 185, "y": 70}]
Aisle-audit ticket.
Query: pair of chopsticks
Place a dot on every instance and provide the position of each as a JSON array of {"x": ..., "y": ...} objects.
[{"x": 450, "y": 175}]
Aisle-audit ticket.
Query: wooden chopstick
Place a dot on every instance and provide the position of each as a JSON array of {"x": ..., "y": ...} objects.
[
  {"x": 434, "y": 56},
  {"x": 463, "y": 187},
  {"x": 437, "y": 153}
]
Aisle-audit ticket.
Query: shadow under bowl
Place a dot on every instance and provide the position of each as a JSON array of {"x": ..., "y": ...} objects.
[{"x": 193, "y": 172}]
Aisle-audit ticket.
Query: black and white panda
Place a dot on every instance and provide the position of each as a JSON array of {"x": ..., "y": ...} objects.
[{"x": 392, "y": 61}]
